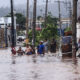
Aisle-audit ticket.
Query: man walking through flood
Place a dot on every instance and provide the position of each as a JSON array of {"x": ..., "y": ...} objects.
[{"x": 40, "y": 48}]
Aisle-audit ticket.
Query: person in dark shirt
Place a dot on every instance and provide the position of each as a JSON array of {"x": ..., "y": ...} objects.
[
  {"x": 20, "y": 51},
  {"x": 53, "y": 46}
]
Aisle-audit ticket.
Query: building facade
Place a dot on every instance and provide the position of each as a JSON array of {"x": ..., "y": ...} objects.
[{"x": 5, "y": 31}]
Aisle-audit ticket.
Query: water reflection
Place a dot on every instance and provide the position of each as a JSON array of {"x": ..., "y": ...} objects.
[
  {"x": 36, "y": 67},
  {"x": 13, "y": 60},
  {"x": 34, "y": 59},
  {"x": 12, "y": 75}
]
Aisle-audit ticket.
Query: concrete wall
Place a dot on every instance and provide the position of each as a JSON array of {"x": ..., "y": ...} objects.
[{"x": 78, "y": 31}]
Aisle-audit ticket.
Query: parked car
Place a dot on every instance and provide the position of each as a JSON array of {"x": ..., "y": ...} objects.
[{"x": 21, "y": 38}]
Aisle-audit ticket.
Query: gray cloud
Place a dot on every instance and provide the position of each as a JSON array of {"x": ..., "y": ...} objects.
[{"x": 5, "y": 3}]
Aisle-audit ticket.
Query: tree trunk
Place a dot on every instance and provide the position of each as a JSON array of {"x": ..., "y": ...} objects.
[{"x": 74, "y": 21}]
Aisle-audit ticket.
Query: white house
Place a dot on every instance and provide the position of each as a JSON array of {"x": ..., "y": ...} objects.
[{"x": 5, "y": 25}]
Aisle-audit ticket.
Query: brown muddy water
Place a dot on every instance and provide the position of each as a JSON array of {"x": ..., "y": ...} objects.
[{"x": 46, "y": 67}]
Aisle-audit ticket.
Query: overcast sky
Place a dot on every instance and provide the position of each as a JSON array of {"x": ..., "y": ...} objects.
[{"x": 5, "y": 3}]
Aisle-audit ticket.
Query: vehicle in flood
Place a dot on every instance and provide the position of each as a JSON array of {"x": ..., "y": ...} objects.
[{"x": 66, "y": 46}]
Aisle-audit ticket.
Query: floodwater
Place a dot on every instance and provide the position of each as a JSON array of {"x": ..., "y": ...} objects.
[{"x": 46, "y": 67}]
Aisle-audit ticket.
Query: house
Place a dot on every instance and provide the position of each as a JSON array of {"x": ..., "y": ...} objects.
[
  {"x": 38, "y": 24},
  {"x": 5, "y": 31}
]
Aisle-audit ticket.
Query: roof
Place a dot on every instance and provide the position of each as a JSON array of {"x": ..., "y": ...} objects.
[{"x": 5, "y": 20}]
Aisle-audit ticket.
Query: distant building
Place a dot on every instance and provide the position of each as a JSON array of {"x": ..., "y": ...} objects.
[
  {"x": 5, "y": 29},
  {"x": 38, "y": 24},
  {"x": 65, "y": 22}
]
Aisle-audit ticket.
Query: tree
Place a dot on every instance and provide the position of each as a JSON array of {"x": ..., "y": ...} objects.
[
  {"x": 39, "y": 17},
  {"x": 51, "y": 30},
  {"x": 37, "y": 37},
  {"x": 47, "y": 33},
  {"x": 20, "y": 20},
  {"x": 51, "y": 20}
]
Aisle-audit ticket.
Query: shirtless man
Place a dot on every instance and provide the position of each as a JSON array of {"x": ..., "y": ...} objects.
[{"x": 28, "y": 50}]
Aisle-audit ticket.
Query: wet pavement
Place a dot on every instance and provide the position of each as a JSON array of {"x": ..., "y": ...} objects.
[{"x": 46, "y": 67}]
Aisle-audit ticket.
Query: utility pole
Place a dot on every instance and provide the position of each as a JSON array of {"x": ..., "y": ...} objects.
[
  {"x": 70, "y": 13},
  {"x": 34, "y": 24},
  {"x": 46, "y": 11},
  {"x": 59, "y": 7},
  {"x": 27, "y": 19},
  {"x": 74, "y": 21},
  {"x": 12, "y": 26},
  {"x": 68, "y": 3}
]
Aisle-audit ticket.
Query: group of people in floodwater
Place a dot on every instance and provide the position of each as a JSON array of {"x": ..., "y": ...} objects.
[{"x": 42, "y": 48}]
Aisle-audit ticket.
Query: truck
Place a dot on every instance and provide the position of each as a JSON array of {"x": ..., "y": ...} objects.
[{"x": 66, "y": 46}]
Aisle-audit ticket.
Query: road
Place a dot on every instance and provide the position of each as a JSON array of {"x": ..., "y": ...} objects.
[{"x": 48, "y": 67}]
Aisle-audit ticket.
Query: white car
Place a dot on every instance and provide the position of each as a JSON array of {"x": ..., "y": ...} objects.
[{"x": 21, "y": 38}]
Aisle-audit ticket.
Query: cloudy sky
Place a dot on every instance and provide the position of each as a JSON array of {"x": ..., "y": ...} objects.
[{"x": 4, "y": 3}]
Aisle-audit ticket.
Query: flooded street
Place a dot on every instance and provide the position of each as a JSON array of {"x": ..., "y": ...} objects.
[{"x": 37, "y": 68}]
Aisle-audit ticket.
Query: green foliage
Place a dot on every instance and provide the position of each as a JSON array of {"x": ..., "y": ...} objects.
[
  {"x": 9, "y": 15},
  {"x": 68, "y": 29},
  {"x": 39, "y": 17},
  {"x": 37, "y": 33},
  {"x": 49, "y": 32},
  {"x": 51, "y": 20},
  {"x": 20, "y": 19}
]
